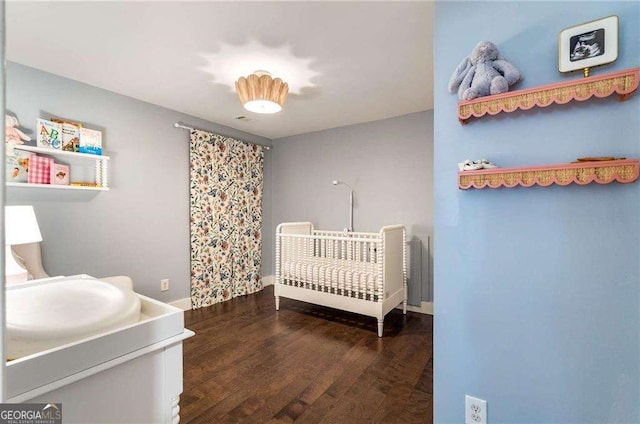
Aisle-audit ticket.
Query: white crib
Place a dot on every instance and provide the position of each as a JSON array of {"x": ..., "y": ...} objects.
[{"x": 365, "y": 273}]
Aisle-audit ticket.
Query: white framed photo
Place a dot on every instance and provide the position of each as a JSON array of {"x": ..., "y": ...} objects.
[{"x": 587, "y": 45}]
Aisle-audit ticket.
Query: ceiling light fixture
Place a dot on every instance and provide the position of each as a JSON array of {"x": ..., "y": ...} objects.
[{"x": 262, "y": 94}]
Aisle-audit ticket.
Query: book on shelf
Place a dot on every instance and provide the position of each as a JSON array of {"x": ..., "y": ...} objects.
[
  {"x": 85, "y": 184},
  {"x": 70, "y": 134},
  {"x": 90, "y": 141},
  {"x": 59, "y": 174},
  {"x": 17, "y": 166},
  {"x": 39, "y": 169},
  {"x": 49, "y": 134}
]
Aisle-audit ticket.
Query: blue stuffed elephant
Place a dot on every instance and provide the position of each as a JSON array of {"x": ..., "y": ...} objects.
[{"x": 484, "y": 72}]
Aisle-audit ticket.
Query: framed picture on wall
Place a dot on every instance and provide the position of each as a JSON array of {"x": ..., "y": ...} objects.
[{"x": 587, "y": 45}]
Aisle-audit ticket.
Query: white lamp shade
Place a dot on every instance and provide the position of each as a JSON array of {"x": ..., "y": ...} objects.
[{"x": 20, "y": 225}]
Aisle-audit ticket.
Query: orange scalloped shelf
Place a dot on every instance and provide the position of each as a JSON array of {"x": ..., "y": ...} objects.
[
  {"x": 623, "y": 83},
  {"x": 604, "y": 172}
]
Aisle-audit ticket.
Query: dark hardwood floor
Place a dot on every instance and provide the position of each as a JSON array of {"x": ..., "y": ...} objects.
[{"x": 305, "y": 364}]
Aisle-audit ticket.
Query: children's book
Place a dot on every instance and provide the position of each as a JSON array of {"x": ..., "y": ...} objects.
[
  {"x": 17, "y": 166},
  {"x": 90, "y": 141},
  {"x": 59, "y": 174},
  {"x": 49, "y": 134},
  {"x": 70, "y": 134}
]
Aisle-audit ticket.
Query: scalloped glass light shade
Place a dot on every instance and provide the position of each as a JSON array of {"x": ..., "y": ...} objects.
[
  {"x": 262, "y": 94},
  {"x": 262, "y": 106}
]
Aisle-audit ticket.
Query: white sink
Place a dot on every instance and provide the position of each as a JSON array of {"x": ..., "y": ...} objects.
[
  {"x": 110, "y": 340},
  {"x": 43, "y": 316}
]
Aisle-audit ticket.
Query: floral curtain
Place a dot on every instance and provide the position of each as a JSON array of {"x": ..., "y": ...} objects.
[{"x": 226, "y": 218}]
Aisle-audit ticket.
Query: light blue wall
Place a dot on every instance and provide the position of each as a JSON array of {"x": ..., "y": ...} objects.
[
  {"x": 140, "y": 227},
  {"x": 537, "y": 290}
]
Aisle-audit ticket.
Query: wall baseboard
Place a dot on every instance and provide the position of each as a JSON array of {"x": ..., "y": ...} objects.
[
  {"x": 425, "y": 308},
  {"x": 184, "y": 304},
  {"x": 268, "y": 280}
]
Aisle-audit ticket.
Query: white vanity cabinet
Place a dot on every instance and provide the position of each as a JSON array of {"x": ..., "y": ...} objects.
[
  {"x": 131, "y": 374},
  {"x": 145, "y": 389}
]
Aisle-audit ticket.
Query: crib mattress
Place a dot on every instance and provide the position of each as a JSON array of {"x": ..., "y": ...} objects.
[{"x": 362, "y": 277}]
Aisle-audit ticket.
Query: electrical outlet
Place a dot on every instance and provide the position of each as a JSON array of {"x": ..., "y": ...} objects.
[
  {"x": 164, "y": 284},
  {"x": 475, "y": 410}
]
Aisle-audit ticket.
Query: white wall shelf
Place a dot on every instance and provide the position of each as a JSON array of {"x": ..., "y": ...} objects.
[
  {"x": 84, "y": 167},
  {"x": 56, "y": 187},
  {"x": 61, "y": 153}
]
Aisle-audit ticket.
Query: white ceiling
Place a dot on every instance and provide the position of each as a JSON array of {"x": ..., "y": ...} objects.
[{"x": 345, "y": 62}]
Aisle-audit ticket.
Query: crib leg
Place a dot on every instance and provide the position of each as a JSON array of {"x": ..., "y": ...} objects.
[
  {"x": 404, "y": 307},
  {"x": 277, "y": 303},
  {"x": 380, "y": 327}
]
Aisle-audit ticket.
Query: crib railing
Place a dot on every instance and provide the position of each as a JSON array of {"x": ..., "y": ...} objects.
[
  {"x": 347, "y": 246},
  {"x": 348, "y": 264}
]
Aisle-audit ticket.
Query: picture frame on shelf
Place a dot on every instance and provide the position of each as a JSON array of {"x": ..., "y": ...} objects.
[{"x": 587, "y": 45}]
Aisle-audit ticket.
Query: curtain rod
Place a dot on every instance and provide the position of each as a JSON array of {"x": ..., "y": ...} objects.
[{"x": 184, "y": 127}]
